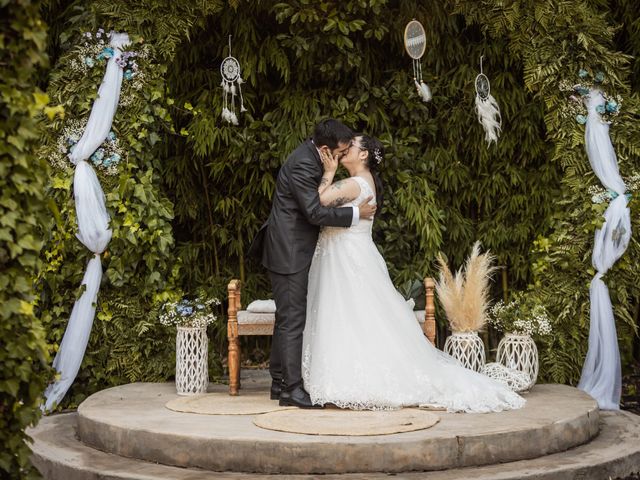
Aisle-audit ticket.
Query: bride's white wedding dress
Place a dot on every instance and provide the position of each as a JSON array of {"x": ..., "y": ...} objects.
[{"x": 363, "y": 347}]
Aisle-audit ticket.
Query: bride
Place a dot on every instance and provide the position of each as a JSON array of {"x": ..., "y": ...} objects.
[{"x": 362, "y": 346}]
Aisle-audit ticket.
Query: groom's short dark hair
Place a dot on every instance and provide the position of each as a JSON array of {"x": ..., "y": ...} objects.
[{"x": 331, "y": 132}]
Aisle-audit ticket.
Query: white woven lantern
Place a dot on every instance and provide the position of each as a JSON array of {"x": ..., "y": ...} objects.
[
  {"x": 519, "y": 352},
  {"x": 467, "y": 348},
  {"x": 192, "y": 373}
]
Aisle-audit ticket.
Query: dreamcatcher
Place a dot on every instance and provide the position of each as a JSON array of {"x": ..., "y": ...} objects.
[
  {"x": 487, "y": 108},
  {"x": 230, "y": 70},
  {"x": 415, "y": 42}
]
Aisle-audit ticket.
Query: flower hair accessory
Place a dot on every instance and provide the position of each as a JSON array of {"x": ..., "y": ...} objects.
[{"x": 377, "y": 154}]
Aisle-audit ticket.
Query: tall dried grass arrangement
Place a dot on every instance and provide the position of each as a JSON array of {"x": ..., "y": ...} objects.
[{"x": 465, "y": 295}]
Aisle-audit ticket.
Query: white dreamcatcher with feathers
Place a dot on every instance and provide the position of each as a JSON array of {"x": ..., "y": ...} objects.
[
  {"x": 415, "y": 42},
  {"x": 232, "y": 87},
  {"x": 487, "y": 108}
]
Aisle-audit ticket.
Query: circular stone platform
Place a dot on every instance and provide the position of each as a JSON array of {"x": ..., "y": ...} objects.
[
  {"x": 132, "y": 421},
  {"x": 333, "y": 421}
]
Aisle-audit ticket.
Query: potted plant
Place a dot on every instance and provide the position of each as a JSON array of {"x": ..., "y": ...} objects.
[
  {"x": 191, "y": 318},
  {"x": 465, "y": 299},
  {"x": 520, "y": 319}
]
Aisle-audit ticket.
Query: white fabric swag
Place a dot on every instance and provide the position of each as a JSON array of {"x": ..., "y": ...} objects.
[
  {"x": 93, "y": 225},
  {"x": 601, "y": 376}
]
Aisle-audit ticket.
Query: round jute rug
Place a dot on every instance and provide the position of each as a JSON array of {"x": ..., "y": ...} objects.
[
  {"x": 332, "y": 421},
  {"x": 221, "y": 403}
]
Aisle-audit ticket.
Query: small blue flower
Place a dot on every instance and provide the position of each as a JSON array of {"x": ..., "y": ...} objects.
[
  {"x": 115, "y": 158},
  {"x": 612, "y": 195},
  {"x": 582, "y": 90},
  {"x": 106, "y": 162},
  {"x": 89, "y": 62},
  {"x": 97, "y": 156},
  {"x": 599, "y": 78},
  {"x": 581, "y": 119},
  {"x": 582, "y": 73},
  {"x": 108, "y": 52},
  {"x": 111, "y": 136},
  {"x": 600, "y": 109},
  {"x": 612, "y": 106},
  {"x": 128, "y": 74}
]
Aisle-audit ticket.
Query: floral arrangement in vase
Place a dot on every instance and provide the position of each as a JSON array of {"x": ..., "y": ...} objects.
[
  {"x": 465, "y": 294},
  {"x": 186, "y": 313},
  {"x": 520, "y": 317},
  {"x": 465, "y": 299}
]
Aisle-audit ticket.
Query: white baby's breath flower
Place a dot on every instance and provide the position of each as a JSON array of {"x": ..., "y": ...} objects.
[{"x": 189, "y": 313}]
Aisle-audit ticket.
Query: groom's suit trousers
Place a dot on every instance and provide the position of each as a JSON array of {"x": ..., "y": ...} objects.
[{"x": 290, "y": 295}]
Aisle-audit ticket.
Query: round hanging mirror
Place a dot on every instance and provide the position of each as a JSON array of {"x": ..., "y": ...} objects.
[{"x": 415, "y": 39}]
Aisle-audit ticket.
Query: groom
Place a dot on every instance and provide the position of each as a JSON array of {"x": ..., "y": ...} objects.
[{"x": 288, "y": 240}]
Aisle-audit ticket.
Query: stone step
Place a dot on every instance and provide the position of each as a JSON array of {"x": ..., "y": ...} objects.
[
  {"x": 615, "y": 452},
  {"x": 132, "y": 421}
]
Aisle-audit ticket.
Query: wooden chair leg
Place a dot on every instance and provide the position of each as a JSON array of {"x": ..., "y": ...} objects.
[
  {"x": 233, "y": 360},
  {"x": 429, "y": 326}
]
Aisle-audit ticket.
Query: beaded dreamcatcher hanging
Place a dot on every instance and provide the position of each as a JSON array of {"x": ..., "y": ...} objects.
[
  {"x": 415, "y": 42},
  {"x": 230, "y": 70},
  {"x": 487, "y": 108}
]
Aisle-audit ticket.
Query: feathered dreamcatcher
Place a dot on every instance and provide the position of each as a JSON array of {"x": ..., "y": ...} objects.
[
  {"x": 415, "y": 42},
  {"x": 487, "y": 108},
  {"x": 230, "y": 70}
]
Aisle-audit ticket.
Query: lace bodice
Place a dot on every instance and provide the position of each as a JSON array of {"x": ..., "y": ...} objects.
[
  {"x": 364, "y": 225},
  {"x": 365, "y": 191}
]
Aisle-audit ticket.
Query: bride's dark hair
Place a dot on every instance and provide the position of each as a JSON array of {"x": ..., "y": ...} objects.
[{"x": 375, "y": 158}]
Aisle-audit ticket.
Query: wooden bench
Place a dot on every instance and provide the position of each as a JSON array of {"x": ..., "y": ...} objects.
[{"x": 242, "y": 322}]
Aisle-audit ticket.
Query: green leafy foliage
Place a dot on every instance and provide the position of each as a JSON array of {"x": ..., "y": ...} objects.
[
  {"x": 23, "y": 352},
  {"x": 127, "y": 343},
  {"x": 194, "y": 190},
  {"x": 444, "y": 187},
  {"x": 570, "y": 35}
]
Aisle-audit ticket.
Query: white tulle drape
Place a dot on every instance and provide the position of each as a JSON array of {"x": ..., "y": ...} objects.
[
  {"x": 93, "y": 225},
  {"x": 601, "y": 377}
]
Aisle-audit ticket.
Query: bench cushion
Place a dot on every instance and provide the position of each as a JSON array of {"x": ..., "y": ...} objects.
[
  {"x": 246, "y": 317},
  {"x": 255, "y": 323}
]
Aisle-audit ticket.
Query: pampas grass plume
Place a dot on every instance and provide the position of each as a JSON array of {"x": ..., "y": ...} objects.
[{"x": 465, "y": 295}]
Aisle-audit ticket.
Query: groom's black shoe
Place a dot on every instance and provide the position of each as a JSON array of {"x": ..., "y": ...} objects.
[
  {"x": 276, "y": 389},
  {"x": 297, "y": 397}
]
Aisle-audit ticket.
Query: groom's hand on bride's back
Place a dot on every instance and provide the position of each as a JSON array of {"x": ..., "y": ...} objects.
[{"x": 366, "y": 210}]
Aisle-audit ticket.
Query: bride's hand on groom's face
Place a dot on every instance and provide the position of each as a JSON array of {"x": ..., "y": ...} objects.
[
  {"x": 329, "y": 162},
  {"x": 367, "y": 211}
]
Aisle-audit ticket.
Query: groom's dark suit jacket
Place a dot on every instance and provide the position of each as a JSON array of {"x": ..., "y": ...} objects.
[{"x": 288, "y": 238}]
